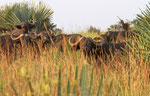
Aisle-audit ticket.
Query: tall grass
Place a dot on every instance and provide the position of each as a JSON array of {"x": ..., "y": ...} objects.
[{"x": 54, "y": 73}]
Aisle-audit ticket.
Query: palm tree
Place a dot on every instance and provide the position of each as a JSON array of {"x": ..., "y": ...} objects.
[
  {"x": 19, "y": 12},
  {"x": 143, "y": 26}
]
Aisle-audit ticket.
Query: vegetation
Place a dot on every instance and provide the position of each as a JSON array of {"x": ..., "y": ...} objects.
[
  {"x": 114, "y": 27},
  {"x": 118, "y": 27},
  {"x": 94, "y": 30},
  {"x": 143, "y": 26},
  {"x": 54, "y": 73},
  {"x": 14, "y": 14}
]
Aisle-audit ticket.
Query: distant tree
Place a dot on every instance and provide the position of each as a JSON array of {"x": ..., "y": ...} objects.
[
  {"x": 115, "y": 27},
  {"x": 94, "y": 30},
  {"x": 120, "y": 26}
]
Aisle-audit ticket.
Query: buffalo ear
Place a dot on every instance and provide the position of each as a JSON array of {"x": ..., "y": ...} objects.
[{"x": 18, "y": 26}]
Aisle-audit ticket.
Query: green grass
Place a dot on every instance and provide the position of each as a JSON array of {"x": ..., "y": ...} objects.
[{"x": 87, "y": 34}]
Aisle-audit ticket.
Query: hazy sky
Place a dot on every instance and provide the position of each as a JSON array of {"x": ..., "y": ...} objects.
[{"x": 74, "y": 15}]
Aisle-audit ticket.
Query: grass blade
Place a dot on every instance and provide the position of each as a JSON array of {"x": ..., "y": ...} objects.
[
  {"x": 16, "y": 94},
  {"x": 100, "y": 85},
  {"x": 76, "y": 77},
  {"x": 110, "y": 86},
  {"x": 76, "y": 74},
  {"x": 30, "y": 87},
  {"x": 59, "y": 83},
  {"x": 117, "y": 93},
  {"x": 91, "y": 83},
  {"x": 68, "y": 87},
  {"x": 83, "y": 80}
]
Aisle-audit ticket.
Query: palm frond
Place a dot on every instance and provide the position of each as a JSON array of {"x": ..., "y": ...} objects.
[
  {"x": 20, "y": 12},
  {"x": 143, "y": 27}
]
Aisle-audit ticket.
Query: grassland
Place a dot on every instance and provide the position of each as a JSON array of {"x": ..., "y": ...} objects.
[{"x": 54, "y": 73}]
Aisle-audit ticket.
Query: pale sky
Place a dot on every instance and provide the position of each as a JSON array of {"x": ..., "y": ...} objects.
[{"x": 75, "y": 15}]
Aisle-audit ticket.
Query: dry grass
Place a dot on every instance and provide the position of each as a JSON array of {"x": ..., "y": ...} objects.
[{"x": 38, "y": 76}]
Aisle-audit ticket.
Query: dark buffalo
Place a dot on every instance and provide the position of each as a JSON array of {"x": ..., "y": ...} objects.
[
  {"x": 109, "y": 49},
  {"x": 18, "y": 37},
  {"x": 6, "y": 43},
  {"x": 21, "y": 31},
  {"x": 8, "y": 47},
  {"x": 86, "y": 45},
  {"x": 24, "y": 27},
  {"x": 97, "y": 38},
  {"x": 61, "y": 41},
  {"x": 3, "y": 30},
  {"x": 118, "y": 36},
  {"x": 42, "y": 39},
  {"x": 90, "y": 48}
]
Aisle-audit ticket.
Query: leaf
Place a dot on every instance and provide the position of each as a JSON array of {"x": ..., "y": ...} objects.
[
  {"x": 20, "y": 12},
  {"x": 76, "y": 73},
  {"x": 68, "y": 87},
  {"x": 83, "y": 80}
]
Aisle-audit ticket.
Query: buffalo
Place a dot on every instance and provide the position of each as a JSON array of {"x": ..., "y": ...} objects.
[
  {"x": 109, "y": 49},
  {"x": 8, "y": 46},
  {"x": 18, "y": 37},
  {"x": 61, "y": 41},
  {"x": 19, "y": 33},
  {"x": 118, "y": 36},
  {"x": 42, "y": 40},
  {"x": 90, "y": 48},
  {"x": 3, "y": 30},
  {"x": 86, "y": 44}
]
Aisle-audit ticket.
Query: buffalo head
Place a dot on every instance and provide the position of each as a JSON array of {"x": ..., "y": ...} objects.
[
  {"x": 61, "y": 41},
  {"x": 85, "y": 44},
  {"x": 21, "y": 32},
  {"x": 42, "y": 38},
  {"x": 25, "y": 27}
]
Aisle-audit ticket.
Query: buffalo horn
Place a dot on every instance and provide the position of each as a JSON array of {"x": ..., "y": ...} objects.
[
  {"x": 21, "y": 35},
  {"x": 73, "y": 44}
]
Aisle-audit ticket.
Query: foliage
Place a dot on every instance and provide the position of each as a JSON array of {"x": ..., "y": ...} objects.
[
  {"x": 134, "y": 22},
  {"x": 69, "y": 74},
  {"x": 114, "y": 27},
  {"x": 143, "y": 26},
  {"x": 88, "y": 34},
  {"x": 118, "y": 26},
  {"x": 94, "y": 30},
  {"x": 19, "y": 12}
]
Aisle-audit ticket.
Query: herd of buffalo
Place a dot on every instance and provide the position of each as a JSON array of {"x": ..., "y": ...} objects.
[{"x": 111, "y": 42}]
